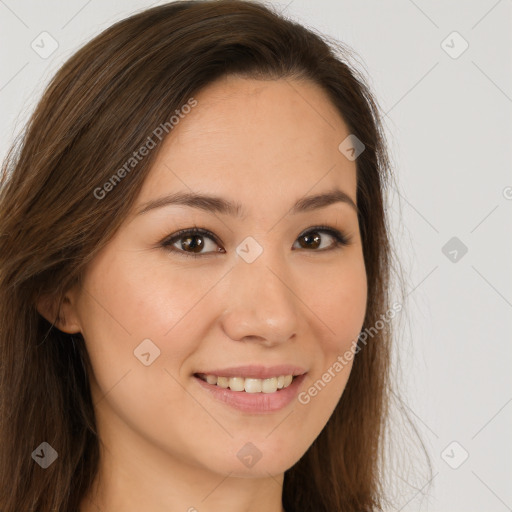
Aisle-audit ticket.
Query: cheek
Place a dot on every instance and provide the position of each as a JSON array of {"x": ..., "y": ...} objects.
[
  {"x": 135, "y": 296},
  {"x": 337, "y": 299},
  {"x": 127, "y": 301},
  {"x": 123, "y": 307}
]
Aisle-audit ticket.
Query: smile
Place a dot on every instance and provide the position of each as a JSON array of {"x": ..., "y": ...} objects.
[
  {"x": 249, "y": 385},
  {"x": 252, "y": 395}
]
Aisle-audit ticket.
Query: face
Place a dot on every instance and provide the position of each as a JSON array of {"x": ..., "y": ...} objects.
[{"x": 271, "y": 289}]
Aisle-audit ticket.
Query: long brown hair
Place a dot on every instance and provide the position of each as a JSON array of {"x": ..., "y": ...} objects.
[{"x": 102, "y": 105}]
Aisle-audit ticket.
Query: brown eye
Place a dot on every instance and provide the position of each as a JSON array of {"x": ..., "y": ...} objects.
[
  {"x": 194, "y": 242},
  {"x": 313, "y": 239},
  {"x": 191, "y": 242}
]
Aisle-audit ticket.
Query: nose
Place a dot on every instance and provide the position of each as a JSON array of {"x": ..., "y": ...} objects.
[{"x": 261, "y": 305}]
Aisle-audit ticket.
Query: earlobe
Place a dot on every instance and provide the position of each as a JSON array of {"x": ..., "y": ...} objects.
[{"x": 62, "y": 315}]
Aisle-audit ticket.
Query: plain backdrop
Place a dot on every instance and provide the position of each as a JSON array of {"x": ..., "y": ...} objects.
[{"x": 441, "y": 72}]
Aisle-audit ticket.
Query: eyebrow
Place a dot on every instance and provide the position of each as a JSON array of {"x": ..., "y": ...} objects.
[{"x": 211, "y": 203}]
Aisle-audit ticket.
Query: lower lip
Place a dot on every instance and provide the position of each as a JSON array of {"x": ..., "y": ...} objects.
[{"x": 255, "y": 402}]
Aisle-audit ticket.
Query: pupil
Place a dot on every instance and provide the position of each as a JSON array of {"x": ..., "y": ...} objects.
[
  {"x": 315, "y": 239},
  {"x": 195, "y": 246}
]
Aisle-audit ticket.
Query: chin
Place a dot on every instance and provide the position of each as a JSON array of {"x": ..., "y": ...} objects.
[{"x": 259, "y": 458}]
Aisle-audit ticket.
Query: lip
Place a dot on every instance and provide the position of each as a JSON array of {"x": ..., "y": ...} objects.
[
  {"x": 259, "y": 403},
  {"x": 255, "y": 371}
]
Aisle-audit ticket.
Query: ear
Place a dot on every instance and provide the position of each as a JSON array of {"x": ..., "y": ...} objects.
[{"x": 63, "y": 315}]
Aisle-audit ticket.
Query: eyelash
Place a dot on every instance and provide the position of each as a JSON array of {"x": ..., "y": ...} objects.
[{"x": 341, "y": 239}]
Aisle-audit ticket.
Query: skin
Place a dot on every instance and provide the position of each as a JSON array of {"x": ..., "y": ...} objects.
[{"x": 165, "y": 443}]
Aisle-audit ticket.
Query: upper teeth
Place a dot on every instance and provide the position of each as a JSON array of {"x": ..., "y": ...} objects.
[{"x": 249, "y": 385}]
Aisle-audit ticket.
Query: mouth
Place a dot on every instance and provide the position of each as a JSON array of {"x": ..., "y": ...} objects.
[
  {"x": 249, "y": 394},
  {"x": 248, "y": 384}
]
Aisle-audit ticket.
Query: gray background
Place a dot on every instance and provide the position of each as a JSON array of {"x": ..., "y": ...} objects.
[{"x": 448, "y": 122}]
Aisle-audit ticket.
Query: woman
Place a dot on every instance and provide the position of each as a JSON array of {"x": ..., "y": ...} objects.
[{"x": 194, "y": 274}]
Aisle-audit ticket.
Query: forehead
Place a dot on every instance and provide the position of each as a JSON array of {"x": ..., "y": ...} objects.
[{"x": 256, "y": 140}]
